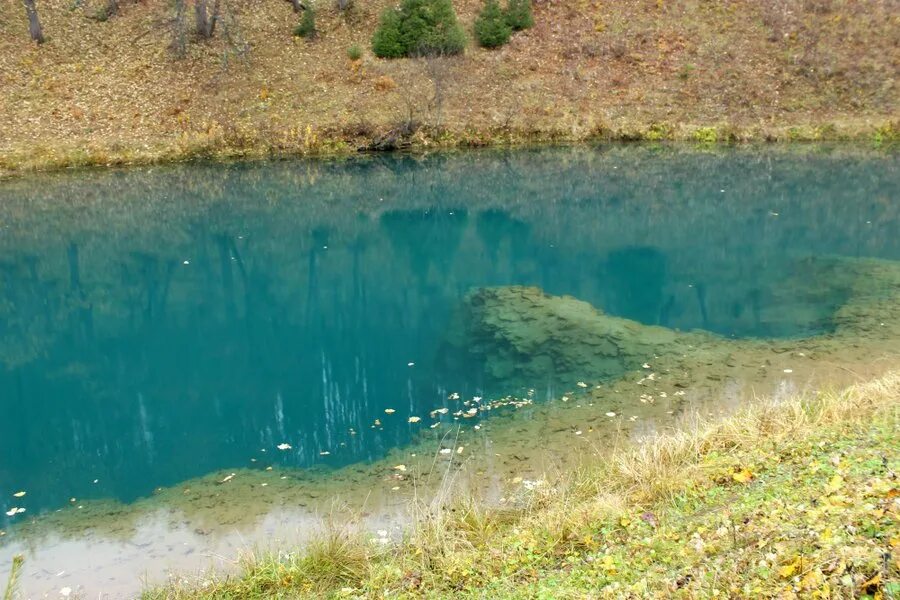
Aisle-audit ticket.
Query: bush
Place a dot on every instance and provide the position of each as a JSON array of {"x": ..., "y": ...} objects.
[
  {"x": 419, "y": 28},
  {"x": 491, "y": 28},
  {"x": 518, "y": 14},
  {"x": 387, "y": 42},
  {"x": 354, "y": 52},
  {"x": 307, "y": 26}
]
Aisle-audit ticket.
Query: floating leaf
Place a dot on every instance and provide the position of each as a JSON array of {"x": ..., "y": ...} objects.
[
  {"x": 414, "y": 419},
  {"x": 18, "y": 494},
  {"x": 389, "y": 411},
  {"x": 283, "y": 446}
]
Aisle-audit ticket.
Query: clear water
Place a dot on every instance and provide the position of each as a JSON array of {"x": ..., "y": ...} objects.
[{"x": 159, "y": 324}]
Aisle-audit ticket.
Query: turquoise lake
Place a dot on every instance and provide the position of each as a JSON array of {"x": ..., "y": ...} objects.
[{"x": 157, "y": 324}]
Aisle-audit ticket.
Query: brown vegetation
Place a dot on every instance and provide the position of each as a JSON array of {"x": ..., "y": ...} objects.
[{"x": 112, "y": 89}]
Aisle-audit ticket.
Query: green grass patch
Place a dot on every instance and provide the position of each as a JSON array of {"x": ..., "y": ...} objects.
[{"x": 793, "y": 499}]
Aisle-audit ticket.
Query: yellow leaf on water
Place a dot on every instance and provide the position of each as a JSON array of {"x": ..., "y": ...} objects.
[
  {"x": 742, "y": 476},
  {"x": 18, "y": 494}
]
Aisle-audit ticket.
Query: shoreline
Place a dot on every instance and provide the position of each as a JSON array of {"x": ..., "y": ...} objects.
[{"x": 328, "y": 144}]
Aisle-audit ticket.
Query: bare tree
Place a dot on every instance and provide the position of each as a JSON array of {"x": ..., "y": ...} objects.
[
  {"x": 298, "y": 5},
  {"x": 179, "y": 30},
  {"x": 438, "y": 69},
  {"x": 206, "y": 18},
  {"x": 34, "y": 23}
]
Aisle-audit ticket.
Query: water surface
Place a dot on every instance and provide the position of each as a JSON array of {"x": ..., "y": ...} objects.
[{"x": 159, "y": 324}]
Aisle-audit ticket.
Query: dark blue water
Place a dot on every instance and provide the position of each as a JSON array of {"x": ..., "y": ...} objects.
[{"x": 158, "y": 324}]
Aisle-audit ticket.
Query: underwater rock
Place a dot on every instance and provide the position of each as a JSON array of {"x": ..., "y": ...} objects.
[{"x": 522, "y": 334}]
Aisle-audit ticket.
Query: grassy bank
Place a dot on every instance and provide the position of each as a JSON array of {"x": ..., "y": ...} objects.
[
  {"x": 790, "y": 498},
  {"x": 108, "y": 88}
]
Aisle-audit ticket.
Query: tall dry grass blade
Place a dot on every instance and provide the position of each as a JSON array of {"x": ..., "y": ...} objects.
[{"x": 12, "y": 583}]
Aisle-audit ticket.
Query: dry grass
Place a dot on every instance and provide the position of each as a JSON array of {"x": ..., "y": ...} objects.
[
  {"x": 112, "y": 92},
  {"x": 640, "y": 522}
]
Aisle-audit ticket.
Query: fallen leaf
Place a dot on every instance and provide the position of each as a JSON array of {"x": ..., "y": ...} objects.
[
  {"x": 283, "y": 446},
  {"x": 834, "y": 484},
  {"x": 742, "y": 476}
]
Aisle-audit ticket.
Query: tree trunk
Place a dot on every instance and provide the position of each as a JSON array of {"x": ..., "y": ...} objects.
[
  {"x": 206, "y": 21},
  {"x": 298, "y": 5},
  {"x": 34, "y": 23}
]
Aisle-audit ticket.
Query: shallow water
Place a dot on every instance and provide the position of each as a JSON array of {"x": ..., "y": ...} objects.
[{"x": 157, "y": 325}]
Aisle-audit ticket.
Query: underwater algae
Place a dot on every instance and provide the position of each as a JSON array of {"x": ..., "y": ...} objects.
[{"x": 641, "y": 373}]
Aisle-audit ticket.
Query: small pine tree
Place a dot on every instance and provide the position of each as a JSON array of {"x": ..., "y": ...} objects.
[
  {"x": 387, "y": 41},
  {"x": 518, "y": 14},
  {"x": 443, "y": 34},
  {"x": 419, "y": 28},
  {"x": 307, "y": 26},
  {"x": 491, "y": 27}
]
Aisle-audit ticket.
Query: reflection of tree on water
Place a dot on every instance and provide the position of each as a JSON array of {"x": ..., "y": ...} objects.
[
  {"x": 426, "y": 239},
  {"x": 121, "y": 363},
  {"x": 636, "y": 278}
]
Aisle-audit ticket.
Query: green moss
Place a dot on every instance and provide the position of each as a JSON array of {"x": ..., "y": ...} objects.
[
  {"x": 706, "y": 135},
  {"x": 658, "y": 132}
]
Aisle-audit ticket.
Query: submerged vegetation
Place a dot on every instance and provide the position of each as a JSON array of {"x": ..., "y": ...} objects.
[{"x": 791, "y": 498}]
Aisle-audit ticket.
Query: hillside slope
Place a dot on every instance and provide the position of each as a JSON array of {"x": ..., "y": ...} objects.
[{"x": 113, "y": 91}]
